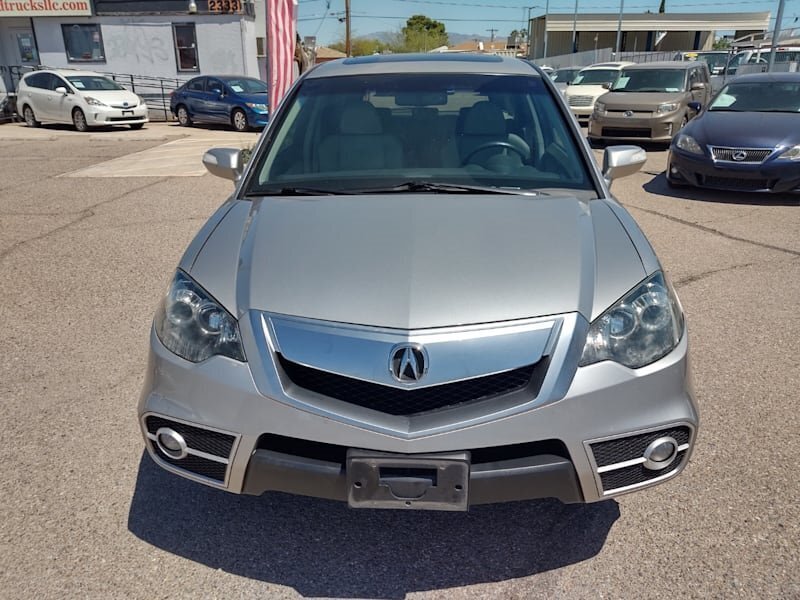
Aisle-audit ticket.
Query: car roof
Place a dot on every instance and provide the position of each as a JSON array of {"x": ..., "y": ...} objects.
[
  {"x": 608, "y": 65},
  {"x": 775, "y": 77},
  {"x": 669, "y": 64},
  {"x": 424, "y": 63}
]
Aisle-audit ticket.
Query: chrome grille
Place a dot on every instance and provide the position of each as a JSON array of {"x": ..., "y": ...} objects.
[
  {"x": 751, "y": 155},
  {"x": 129, "y": 106},
  {"x": 580, "y": 100}
]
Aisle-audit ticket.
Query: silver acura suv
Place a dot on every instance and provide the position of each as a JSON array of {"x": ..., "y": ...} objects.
[{"x": 421, "y": 295}]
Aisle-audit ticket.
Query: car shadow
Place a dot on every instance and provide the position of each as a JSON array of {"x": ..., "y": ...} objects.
[
  {"x": 658, "y": 185},
  {"x": 323, "y": 548}
]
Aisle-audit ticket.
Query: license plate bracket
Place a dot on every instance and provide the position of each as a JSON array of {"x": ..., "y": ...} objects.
[
  {"x": 127, "y": 112},
  {"x": 413, "y": 482}
]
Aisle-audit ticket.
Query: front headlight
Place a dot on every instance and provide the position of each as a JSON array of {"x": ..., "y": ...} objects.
[
  {"x": 644, "y": 326},
  {"x": 94, "y": 101},
  {"x": 599, "y": 108},
  {"x": 688, "y": 143},
  {"x": 141, "y": 100},
  {"x": 666, "y": 107},
  {"x": 194, "y": 326},
  {"x": 255, "y": 106},
  {"x": 790, "y": 154}
]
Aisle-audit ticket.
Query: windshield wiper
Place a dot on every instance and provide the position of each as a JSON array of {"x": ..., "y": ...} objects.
[
  {"x": 295, "y": 191},
  {"x": 447, "y": 188}
]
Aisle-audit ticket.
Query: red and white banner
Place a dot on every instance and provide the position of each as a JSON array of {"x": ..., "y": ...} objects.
[{"x": 281, "y": 34}]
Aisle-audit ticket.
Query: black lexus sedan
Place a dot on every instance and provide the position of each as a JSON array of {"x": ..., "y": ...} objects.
[{"x": 747, "y": 139}]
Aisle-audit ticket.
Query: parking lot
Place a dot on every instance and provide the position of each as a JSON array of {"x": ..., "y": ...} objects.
[{"x": 91, "y": 228}]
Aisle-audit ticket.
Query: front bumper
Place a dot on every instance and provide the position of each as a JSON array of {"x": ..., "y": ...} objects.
[
  {"x": 773, "y": 176},
  {"x": 256, "y": 118},
  {"x": 614, "y": 126},
  {"x": 97, "y": 116},
  {"x": 546, "y": 449}
]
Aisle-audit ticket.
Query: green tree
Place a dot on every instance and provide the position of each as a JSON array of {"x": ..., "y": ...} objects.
[
  {"x": 722, "y": 44},
  {"x": 421, "y": 34}
]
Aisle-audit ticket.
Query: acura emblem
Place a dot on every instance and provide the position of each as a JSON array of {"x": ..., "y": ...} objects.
[
  {"x": 627, "y": 113},
  {"x": 739, "y": 155},
  {"x": 408, "y": 363}
]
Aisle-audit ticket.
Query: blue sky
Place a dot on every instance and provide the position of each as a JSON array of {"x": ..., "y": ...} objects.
[{"x": 478, "y": 16}]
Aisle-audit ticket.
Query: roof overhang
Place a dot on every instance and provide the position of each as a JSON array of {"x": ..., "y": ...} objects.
[{"x": 659, "y": 22}]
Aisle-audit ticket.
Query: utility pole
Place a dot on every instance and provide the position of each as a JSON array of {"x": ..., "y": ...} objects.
[
  {"x": 546, "y": 16},
  {"x": 619, "y": 29},
  {"x": 575, "y": 27},
  {"x": 492, "y": 31},
  {"x": 775, "y": 36},
  {"x": 347, "y": 44}
]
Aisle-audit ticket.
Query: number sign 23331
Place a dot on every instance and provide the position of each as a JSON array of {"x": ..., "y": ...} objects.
[{"x": 225, "y": 6}]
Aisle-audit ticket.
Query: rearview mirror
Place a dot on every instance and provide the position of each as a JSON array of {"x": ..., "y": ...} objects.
[
  {"x": 621, "y": 161},
  {"x": 224, "y": 162},
  {"x": 61, "y": 90}
]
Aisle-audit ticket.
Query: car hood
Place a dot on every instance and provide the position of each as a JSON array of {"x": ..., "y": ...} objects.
[
  {"x": 411, "y": 261},
  {"x": 113, "y": 97},
  {"x": 746, "y": 129},
  {"x": 639, "y": 101},
  {"x": 586, "y": 90},
  {"x": 254, "y": 98}
]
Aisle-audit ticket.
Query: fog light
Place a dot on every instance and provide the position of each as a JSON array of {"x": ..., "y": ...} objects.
[
  {"x": 660, "y": 453},
  {"x": 171, "y": 443}
]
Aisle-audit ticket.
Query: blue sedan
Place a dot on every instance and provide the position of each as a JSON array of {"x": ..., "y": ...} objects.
[
  {"x": 748, "y": 139},
  {"x": 238, "y": 101}
]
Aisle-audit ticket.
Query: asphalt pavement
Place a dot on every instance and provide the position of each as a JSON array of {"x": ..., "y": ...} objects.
[{"x": 85, "y": 513}]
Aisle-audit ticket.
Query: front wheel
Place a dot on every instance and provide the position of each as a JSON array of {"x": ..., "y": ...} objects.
[
  {"x": 183, "y": 116},
  {"x": 30, "y": 118},
  {"x": 79, "y": 120},
  {"x": 239, "y": 120}
]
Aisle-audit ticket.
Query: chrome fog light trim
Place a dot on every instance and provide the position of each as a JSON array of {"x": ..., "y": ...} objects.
[
  {"x": 171, "y": 443},
  {"x": 660, "y": 453}
]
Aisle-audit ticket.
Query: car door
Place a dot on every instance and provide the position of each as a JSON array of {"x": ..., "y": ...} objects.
[
  {"x": 61, "y": 105},
  {"x": 216, "y": 100},
  {"x": 195, "y": 98},
  {"x": 33, "y": 94},
  {"x": 48, "y": 107}
]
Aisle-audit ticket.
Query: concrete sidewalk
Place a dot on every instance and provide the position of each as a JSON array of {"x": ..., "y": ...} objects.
[{"x": 179, "y": 154}]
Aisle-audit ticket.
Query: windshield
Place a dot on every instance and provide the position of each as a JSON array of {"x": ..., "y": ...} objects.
[
  {"x": 564, "y": 75},
  {"x": 596, "y": 77},
  {"x": 650, "y": 80},
  {"x": 371, "y": 132},
  {"x": 761, "y": 96},
  {"x": 93, "y": 82},
  {"x": 247, "y": 86}
]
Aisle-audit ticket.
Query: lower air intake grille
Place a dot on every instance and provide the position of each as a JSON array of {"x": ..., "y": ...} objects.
[
  {"x": 628, "y": 448},
  {"x": 625, "y": 132},
  {"x": 197, "y": 439},
  {"x": 620, "y": 478},
  {"x": 736, "y": 183},
  {"x": 396, "y": 401}
]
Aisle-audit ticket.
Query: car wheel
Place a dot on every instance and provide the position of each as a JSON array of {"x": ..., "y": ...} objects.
[
  {"x": 79, "y": 120},
  {"x": 30, "y": 118},
  {"x": 137, "y": 125},
  {"x": 239, "y": 120},
  {"x": 183, "y": 116}
]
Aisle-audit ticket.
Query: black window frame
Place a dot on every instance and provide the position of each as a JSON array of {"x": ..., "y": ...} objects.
[
  {"x": 194, "y": 47},
  {"x": 65, "y": 27}
]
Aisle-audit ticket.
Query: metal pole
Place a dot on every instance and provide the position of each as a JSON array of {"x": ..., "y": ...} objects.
[
  {"x": 546, "y": 12},
  {"x": 619, "y": 27},
  {"x": 530, "y": 32},
  {"x": 775, "y": 35},
  {"x": 574, "y": 26},
  {"x": 347, "y": 46}
]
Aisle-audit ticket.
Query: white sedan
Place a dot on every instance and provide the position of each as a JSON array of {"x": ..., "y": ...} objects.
[{"x": 82, "y": 98}]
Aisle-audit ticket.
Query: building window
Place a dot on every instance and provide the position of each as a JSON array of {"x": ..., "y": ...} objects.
[
  {"x": 261, "y": 44},
  {"x": 186, "y": 47},
  {"x": 83, "y": 42}
]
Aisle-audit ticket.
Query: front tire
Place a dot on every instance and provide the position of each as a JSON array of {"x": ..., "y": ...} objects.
[
  {"x": 239, "y": 120},
  {"x": 30, "y": 118},
  {"x": 79, "y": 120},
  {"x": 183, "y": 116}
]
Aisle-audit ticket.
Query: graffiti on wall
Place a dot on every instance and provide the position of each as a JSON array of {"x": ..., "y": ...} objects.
[{"x": 141, "y": 45}]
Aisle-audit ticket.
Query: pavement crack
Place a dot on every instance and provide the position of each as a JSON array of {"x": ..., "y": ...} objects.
[
  {"x": 717, "y": 232},
  {"x": 697, "y": 277},
  {"x": 82, "y": 216}
]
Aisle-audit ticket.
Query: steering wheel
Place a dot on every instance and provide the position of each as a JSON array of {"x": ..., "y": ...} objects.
[{"x": 495, "y": 144}]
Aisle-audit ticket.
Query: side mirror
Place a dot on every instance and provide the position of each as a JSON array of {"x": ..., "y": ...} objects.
[
  {"x": 224, "y": 162},
  {"x": 607, "y": 85},
  {"x": 621, "y": 161},
  {"x": 695, "y": 106},
  {"x": 61, "y": 90},
  {"x": 698, "y": 85}
]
